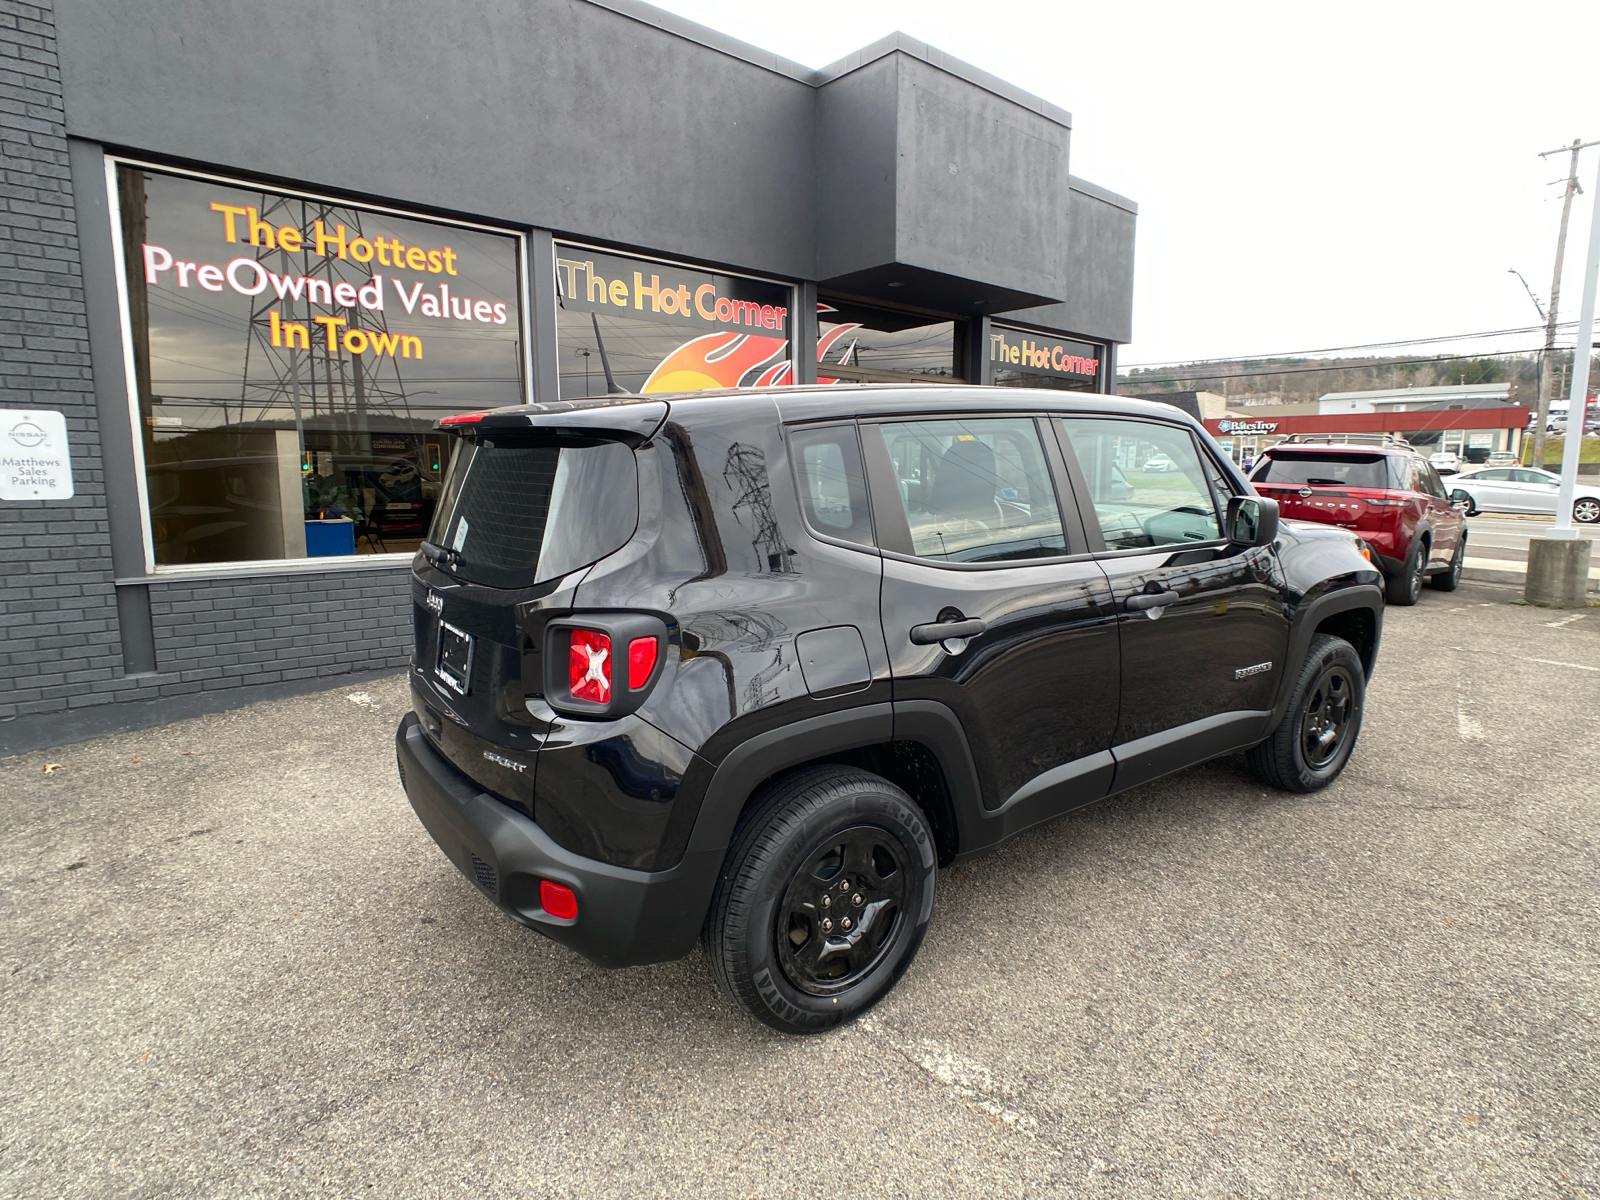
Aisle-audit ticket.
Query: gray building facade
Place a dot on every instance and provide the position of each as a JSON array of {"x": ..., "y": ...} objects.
[{"x": 250, "y": 253}]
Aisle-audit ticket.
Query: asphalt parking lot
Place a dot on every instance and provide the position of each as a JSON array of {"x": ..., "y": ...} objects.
[{"x": 236, "y": 965}]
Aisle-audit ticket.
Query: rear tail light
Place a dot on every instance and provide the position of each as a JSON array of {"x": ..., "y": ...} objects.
[
  {"x": 602, "y": 664},
  {"x": 558, "y": 900},
  {"x": 589, "y": 666},
  {"x": 641, "y": 661}
]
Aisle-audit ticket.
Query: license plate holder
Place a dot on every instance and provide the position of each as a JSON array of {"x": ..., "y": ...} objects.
[{"x": 453, "y": 665}]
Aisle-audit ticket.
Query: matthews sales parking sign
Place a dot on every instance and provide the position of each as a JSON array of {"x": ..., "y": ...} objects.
[{"x": 34, "y": 463}]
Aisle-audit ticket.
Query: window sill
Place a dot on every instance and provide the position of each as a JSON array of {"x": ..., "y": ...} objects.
[{"x": 288, "y": 566}]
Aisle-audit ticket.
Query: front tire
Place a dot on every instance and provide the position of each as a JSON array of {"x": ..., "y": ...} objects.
[
  {"x": 1310, "y": 746},
  {"x": 1448, "y": 581},
  {"x": 1586, "y": 510},
  {"x": 823, "y": 900}
]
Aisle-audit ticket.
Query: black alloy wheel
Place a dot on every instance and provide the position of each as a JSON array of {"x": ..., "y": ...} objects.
[
  {"x": 1586, "y": 510},
  {"x": 823, "y": 899},
  {"x": 839, "y": 915},
  {"x": 1448, "y": 581},
  {"x": 1330, "y": 705},
  {"x": 1313, "y": 741}
]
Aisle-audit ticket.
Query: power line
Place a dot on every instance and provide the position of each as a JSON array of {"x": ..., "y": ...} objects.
[
  {"x": 1425, "y": 341},
  {"x": 1267, "y": 371}
]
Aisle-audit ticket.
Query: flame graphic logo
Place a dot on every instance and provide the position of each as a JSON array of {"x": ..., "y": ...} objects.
[{"x": 718, "y": 360}]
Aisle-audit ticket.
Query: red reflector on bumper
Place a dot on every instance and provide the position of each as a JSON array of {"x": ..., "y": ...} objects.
[{"x": 557, "y": 900}]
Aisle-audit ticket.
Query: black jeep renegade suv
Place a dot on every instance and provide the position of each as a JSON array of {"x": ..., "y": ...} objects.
[{"x": 750, "y": 667}]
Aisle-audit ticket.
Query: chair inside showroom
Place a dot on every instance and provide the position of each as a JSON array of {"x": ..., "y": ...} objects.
[
  {"x": 372, "y": 530},
  {"x": 964, "y": 486}
]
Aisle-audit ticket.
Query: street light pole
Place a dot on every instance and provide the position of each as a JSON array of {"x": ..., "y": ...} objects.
[
  {"x": 1558, "y": 562},
  {"x": 1546, "y": 363},
  {"x": 1572, "y": 444}
]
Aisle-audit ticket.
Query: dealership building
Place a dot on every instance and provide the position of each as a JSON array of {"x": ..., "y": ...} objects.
[{"x": 252, "y": 253}]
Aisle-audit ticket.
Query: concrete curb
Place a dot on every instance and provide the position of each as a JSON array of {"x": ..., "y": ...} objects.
[{"x": 1510, "y": 573}]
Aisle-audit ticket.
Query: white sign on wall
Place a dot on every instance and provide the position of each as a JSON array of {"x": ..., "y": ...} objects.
[{"x": 34, "y": 461}]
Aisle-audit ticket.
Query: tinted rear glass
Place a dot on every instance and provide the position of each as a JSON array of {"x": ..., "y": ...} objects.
[
  {"x": 1333, "y": 470},
  {"x": 518, "y": 515}
]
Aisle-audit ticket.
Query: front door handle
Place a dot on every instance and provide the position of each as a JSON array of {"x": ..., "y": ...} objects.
[
  {"x": 1143, "y": 600},
  {"x": 944, "y": 631}
]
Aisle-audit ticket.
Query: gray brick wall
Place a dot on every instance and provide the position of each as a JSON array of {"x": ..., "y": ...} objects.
[
  {"x": 215, "y": 634},
  {"x": 61, "y": 650},
  {"x": 57, "y": 599}
]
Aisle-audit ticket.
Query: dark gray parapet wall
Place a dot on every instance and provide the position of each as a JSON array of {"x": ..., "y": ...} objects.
[{"x": 619, "y": 123}]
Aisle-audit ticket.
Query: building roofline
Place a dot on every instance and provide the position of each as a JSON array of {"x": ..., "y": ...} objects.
[
  {"x": 897, "y": 42},
  {"x": 1099, "y": 193}
]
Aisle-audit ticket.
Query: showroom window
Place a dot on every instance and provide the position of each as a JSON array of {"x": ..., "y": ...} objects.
[
  {"x": 638, "y": 325},
  {"x": 872, "y": 345},
  {"x": 1023, "y": 358},
  {"x": 291, "y": 356}
]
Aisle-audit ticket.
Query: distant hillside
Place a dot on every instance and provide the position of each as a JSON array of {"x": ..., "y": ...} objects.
[{"x": 1292, "y": 380}]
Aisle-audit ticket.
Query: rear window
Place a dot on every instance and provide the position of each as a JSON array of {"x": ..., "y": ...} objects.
[
  {"x": 517, "y": 515},
  {"x": 1331, "y": 470}
]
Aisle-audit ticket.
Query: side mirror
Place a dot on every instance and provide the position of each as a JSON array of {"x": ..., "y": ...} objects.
[{"x": 1252, "y": 520}]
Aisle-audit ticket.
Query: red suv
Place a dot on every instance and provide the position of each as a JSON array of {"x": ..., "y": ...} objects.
[{"x": 1386, "y": 494}]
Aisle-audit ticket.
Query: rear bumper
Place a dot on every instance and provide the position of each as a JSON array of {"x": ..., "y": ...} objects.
[{"x": 625, "y": 917}]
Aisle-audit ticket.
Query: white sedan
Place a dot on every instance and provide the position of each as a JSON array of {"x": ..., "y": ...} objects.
[
  {"x": 1520, "y": 490},
  {"x": 1445, "y": 462}
]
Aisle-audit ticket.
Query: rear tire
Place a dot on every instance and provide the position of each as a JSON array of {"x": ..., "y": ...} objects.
[
  {"x": 1448, "y": 581},
  {"x": 1586, "y": 510},
  {"x": 823, "y": 900},
  {"x": 1310, "y": 746},
  {"x": 1405, "y": 589}
]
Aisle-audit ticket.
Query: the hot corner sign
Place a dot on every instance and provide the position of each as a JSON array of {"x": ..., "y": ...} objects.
[
  {"x": 1227, "y": 426},
  {"x": 1029, "y": 352},
  {"x": 34, "y": 463}
]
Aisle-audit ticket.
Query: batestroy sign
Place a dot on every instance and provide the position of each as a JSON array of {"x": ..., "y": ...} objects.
[{"x": 34, "y": 461}]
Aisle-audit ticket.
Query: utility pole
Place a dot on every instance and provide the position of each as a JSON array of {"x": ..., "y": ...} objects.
[{"x": 1555, "y": 297}]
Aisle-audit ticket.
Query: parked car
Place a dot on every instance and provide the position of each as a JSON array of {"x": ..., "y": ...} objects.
[
  {"x": 1158, "y": 462},
  {"x": 1387, "y": 494},
  {"x": 1446, "y": 462},
  {"x": 1501, "y": 458},
  {"x": 709, "y": 668},
  {"x": 1521, "y": 490}
]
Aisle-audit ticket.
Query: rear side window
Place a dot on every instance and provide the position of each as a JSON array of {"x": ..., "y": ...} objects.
[
  {"x": 1330, "y": 470},
  {"x": 514, "y": 516},
  {"x": 833, "y": 486}
]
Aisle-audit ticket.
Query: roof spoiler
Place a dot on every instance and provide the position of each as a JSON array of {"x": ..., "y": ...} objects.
[{"x": 631, "y": 421}]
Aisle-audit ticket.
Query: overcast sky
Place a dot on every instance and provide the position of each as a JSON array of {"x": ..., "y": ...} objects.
[{"x": 1307, "y": 175}]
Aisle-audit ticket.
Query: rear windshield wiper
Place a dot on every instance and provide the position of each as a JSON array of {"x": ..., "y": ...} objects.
[
  {"x": 440, "y": 556},
  {"x": 1325, "y": 482}
]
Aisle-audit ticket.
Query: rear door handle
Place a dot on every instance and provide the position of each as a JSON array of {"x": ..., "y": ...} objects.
[
  {"x": 942, "y": 631},
  {"x": 1140, "y": 601}
]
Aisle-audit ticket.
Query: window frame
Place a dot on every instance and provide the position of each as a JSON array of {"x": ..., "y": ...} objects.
[
  {"x": 893, "y": 530},
  {"x": 270, "y": 566},
  {"x": 1090, "y": 519}
]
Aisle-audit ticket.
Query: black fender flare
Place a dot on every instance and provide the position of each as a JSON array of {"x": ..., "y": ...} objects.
[
  {"x": 1357, "y": 595},
  {"x": 736, "y": 778}
]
